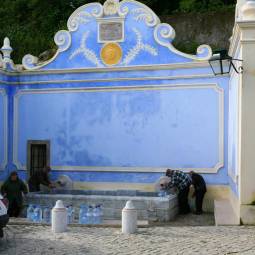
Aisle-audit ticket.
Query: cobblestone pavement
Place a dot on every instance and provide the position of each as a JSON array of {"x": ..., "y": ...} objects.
[{"x": 172, "y": 239}]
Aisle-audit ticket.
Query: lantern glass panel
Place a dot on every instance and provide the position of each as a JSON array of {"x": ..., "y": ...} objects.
[
  {"x": 216, "y": 67},
  {"x": 226, "y": 65}
]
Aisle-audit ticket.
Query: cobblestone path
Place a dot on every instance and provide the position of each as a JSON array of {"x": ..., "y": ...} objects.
[{"x": 172, "y": 239}]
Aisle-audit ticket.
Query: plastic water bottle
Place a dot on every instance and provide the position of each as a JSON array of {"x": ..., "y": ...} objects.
[
  {"x": 70, "y": 214},
  {"x": 33, "y": 215},
  {"x": 37, "y": 214},
  {"x": 30, "y": 212},
  {"x": 90, "y": 215},
  {"x": 47, "y": 215},
  {"x": 73, "y": 214},
  {"x": 161, "y": 193},
  {"x": 83, "y": 215},
  {"x": 101, "y": 213},
  {"x": 96, "y": 215}
]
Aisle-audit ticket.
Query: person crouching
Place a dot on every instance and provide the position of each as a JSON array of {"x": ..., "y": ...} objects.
[{"x": 181, "y": 181}]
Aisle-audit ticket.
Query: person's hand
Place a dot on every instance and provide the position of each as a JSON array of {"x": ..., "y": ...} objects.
[
  {"x": 194, "y": 195},
  {"x": 61, "y": 184}
]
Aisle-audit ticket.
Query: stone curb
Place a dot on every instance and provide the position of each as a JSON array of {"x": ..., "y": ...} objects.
[{"x": 107, "y": 225}]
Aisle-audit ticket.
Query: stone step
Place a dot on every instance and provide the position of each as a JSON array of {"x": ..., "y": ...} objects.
[{"x": 224, "y": 213}]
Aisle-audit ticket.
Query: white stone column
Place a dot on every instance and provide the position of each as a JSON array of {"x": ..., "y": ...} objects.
[
  {"x": 243, "y": 41},
  {"x": 247, "y": 159}
]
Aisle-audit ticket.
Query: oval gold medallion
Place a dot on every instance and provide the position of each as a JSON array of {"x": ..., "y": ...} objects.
[{"x": 111, "y": 54}]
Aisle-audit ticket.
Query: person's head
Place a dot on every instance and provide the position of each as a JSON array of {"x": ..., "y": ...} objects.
[
  {"x": 47, "y": 169},
  {"x": 162, "y": 185},
  {"x": 163, "y": 182},
  {"x": 169, "y": 172},
  {"x": 191, "y": 172},
  {"x": 14, "y": 176}
]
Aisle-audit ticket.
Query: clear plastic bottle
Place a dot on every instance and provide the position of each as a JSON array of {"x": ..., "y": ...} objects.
[
  {"x": 96, "y": 215},
  {"x": 161, "y": 193},
  {"x": 73, "y": 214},
  {"x": 37, "y": 214},
  {"x": 90, "y": 215},
  {"x": 70, "y": 214},
  {"x": 30, "y": 212},
  {"x": 47, "y": 215},
  {"x": 83, "y": 214},
  {"x": 101, "y": 214},
  {"x": 33, "y": 215}
]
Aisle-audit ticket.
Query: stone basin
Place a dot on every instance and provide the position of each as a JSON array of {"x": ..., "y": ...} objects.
[{"x": 149, "y": 206}]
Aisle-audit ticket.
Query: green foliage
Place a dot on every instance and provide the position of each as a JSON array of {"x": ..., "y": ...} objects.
[
  {"x": 205, "y": 5},
  {"x": 187, "y": 47},
  {"x": 187, "y": 5},
  {"x": 31, "y": 24}
]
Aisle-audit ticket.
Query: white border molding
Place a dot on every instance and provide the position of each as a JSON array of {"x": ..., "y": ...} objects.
[
  {"x": 213, "y": 86},
  {"x": 119, "y": 79},
  {"x": 173, "y": 66},
  {"x": 5, "y": 126}
]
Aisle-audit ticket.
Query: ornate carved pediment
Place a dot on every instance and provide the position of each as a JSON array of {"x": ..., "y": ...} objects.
[{"x": 128, "y": 32}]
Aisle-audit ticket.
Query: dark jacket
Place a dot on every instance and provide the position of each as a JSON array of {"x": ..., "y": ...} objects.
[
  {"x": 39, "y": 177},
  {"x": 198, "y": 182},
  {"x": 14, "y": 190}
]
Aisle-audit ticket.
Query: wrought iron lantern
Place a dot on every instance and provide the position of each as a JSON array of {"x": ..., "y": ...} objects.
[{"x": 221, "y": 63}]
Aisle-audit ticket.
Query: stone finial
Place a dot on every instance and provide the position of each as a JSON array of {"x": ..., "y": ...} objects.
[
  {"x": 248, "y": 10},
  {"x": 6, "y": 49},
  {"x": 111, "y": 7}
]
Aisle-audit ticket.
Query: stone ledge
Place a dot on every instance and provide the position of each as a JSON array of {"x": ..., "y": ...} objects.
[{"x": 224, "y": 213}]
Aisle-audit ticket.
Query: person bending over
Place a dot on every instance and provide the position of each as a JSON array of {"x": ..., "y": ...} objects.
[
  {"x": 40, "y": 177},
  {"x": 13, "y": 189},
  {"x": 200, "y": 190},
  {"x": 181, "y": 181}
]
